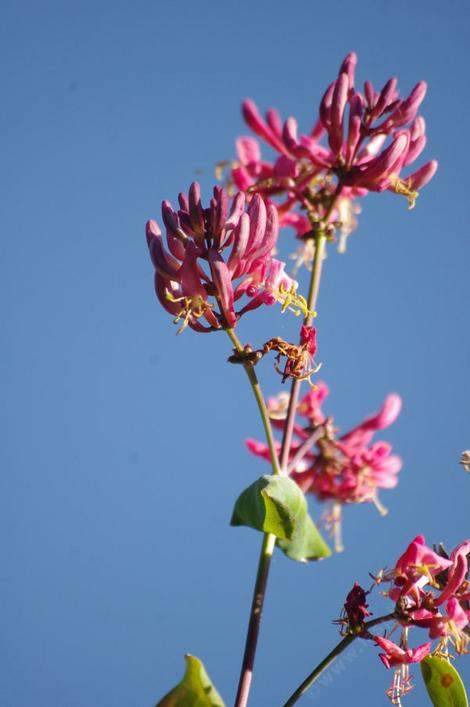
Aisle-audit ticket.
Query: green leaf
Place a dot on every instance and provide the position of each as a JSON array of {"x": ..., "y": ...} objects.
[
  {"x": 195, "y": 689},
  {"x": 276, "y": 504},
  {"x": 443, "y": 683},
  {"x": 273, "y": 504},
  {"x": 306, "y": 544}
]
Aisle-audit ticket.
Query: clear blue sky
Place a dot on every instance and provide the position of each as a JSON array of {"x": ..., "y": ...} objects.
[{"x": 123, "y": 444}]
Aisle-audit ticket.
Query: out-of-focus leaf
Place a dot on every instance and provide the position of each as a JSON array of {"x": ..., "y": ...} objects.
[
  {"x": 306, "y": 544},
  {"x": 195, "y": 689},
  {"x": 276, "y": 504},
  {"x": 443, "y": 683}
]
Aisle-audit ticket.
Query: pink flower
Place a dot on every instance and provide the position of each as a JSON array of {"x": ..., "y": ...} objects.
[
  {"x": 416, "y": 568},
  {"x": 394, "y": 655},
  {"x": 216, "y": 255}
]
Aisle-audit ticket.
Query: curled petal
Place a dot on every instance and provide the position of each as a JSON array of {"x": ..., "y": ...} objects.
[
  {"x": 457, "y": 575},
  {"x": 363, "y": 433}
]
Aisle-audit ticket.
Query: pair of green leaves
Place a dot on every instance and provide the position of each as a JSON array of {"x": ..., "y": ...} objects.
[
  {"x": 276, "y": 504},
  {"x": 443, "y": 683}
]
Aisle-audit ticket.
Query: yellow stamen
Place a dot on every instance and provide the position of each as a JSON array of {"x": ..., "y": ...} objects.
[
  {"x": 192, "y": 307},
  {"x": 401, "y": 186},
  {"x": 290, "y": 300}
]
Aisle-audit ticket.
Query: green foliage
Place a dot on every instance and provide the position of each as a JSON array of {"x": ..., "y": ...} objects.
[
  {"x": 443, "y": 683},
  {"x": 275, "y": 504},
  {"x": 195, "y": 689}
]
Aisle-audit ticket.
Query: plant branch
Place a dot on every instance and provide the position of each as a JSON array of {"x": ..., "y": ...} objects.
[
  {"x": 267, "y": 548},
  {"x": 252, "y": 377},
  {"x": 320, "y": 246},
  {"x": 331, "y": 657}
]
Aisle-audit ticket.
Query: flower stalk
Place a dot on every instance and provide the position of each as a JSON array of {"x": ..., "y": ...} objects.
[
  {"x": 267, "y": 547},
  {"x": 331, "y": 657}
]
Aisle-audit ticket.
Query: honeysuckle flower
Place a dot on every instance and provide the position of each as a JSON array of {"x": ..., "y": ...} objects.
[
  {"x": 394, "y": 655},
  {"x": 415, "y": 568},
  {"x": 338, "y": 469},
  {"x": 216, "y": 255}
]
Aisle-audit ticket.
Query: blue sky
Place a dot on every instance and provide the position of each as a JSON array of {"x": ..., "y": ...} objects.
[{"x": 123, "y": 443}]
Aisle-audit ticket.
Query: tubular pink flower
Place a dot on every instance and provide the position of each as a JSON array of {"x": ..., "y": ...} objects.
[
  {"x": 194, "y": 280},
  {"x": 394, "y": 655},
  {"x": 418, "y": 556}
]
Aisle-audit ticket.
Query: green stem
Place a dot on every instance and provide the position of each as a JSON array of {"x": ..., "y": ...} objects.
[
  {"x": 252, "y": 377},
  {"x": 267, "y": 548},
  {"x": 295, "y": 389},
  {"x": 308, "y": 682},
  {"x": 312, "y": 299},
  {"x": 331, "y": 657}
]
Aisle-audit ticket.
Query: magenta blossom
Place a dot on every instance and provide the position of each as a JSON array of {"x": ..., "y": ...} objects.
[
  {"x": 338, "y": 469},
  {"x": 394, "y": 655},
  {"x": 214, "y": 257}
]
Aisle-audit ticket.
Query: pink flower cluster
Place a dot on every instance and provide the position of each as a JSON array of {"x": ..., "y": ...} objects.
[
  {"x": 221, "y": 252},
  {"x": 340, "y": 469},
  {"x": 430, "y": 590},
  {"x": 370, "y": 138}
]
